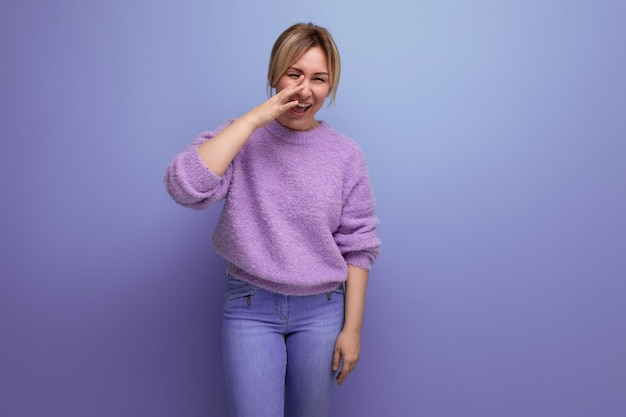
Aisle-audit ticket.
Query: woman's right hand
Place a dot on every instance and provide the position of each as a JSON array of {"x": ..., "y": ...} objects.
[
  {"x": 276, "y": 105},
  {"x": 217, "y": 153}
]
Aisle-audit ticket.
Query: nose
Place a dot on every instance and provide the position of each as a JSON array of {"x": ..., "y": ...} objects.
[{"x": 306, "y": 91}]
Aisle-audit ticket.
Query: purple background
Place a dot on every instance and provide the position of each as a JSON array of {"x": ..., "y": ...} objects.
[{"x": 495, "y": 134}]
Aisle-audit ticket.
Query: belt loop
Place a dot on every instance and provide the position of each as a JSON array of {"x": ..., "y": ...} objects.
[{"x": 329, "y": 295}]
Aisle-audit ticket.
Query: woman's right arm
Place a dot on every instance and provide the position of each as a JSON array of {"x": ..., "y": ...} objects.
[
  {"x": 218, "y": 153},
  {"x": 198, "y": 176}
]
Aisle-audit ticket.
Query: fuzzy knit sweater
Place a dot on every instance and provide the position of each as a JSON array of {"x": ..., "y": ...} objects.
[{"x": 299, "y": 207}]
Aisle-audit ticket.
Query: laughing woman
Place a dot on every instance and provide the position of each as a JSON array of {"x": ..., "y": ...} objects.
[{"x": 298, "y": 231}]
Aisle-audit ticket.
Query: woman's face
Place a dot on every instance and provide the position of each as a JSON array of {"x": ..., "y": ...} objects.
[{"x": 313, "y": 65}]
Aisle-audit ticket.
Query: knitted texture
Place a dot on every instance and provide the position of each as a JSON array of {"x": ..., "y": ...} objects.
[{"x": 299, "y": 207}]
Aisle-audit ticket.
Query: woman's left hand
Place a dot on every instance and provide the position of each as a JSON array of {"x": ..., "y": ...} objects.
[{"x": 347, "y": 351}]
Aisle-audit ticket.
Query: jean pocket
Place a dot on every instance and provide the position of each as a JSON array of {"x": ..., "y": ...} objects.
[
  {"x": 339, "y": 290},
  {"x": 337, "y": 294},
  {"x": 236, "y": 289}
]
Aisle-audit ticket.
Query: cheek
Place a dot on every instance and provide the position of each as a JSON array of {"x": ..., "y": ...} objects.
[
  {"x": 281, "y": 84},
  {"x": 322, "y": 92}
]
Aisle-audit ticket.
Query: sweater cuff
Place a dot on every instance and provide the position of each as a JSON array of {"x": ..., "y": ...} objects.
[
  {"x": 198, "y": 176},
  {"x": 359, "y": 259}
]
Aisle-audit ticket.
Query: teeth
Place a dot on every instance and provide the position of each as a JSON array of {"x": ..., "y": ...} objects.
[{"x": 303, "y": 105}]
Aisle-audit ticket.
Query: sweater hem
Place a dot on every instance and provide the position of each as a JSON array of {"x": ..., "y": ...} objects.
[{"x": 282, "y": 288}]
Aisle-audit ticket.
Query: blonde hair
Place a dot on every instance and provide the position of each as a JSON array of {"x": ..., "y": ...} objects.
[{"x": 293, "y": 43}]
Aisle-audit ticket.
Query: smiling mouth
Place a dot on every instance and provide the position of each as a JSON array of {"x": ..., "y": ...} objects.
[{"x": 301, "y": 107}]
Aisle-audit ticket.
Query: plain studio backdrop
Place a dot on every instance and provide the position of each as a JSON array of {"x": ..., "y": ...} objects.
[{"x": 495, "y": 135}]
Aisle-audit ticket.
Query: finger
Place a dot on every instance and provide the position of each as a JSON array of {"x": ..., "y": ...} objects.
[
  {"x": 296, "y": 86},
  {"x": 342, "y": 376},
  {"x": 347, "y": 366},
  {"x": 288, "y": 92},
  {"x": 285, "y": 95},
  {"x": 288, "y": 105},
  {"x": 285, "y": 98},
  {"x": 336, "y": 359}
]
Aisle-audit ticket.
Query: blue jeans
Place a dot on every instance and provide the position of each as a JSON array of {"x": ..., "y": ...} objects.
[{"x": 278, "y": 351}]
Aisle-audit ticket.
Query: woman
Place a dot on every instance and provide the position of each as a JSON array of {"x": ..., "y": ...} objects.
[{"x": 298, "y": 231}]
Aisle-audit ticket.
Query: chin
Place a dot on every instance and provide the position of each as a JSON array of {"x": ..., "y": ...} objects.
[{"x": 307, "y": 124}]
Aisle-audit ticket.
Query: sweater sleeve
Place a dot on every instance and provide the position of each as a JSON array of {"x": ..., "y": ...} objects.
[
  {"x": 356, "y": 235},
  {"x": 190, "y": 183}
]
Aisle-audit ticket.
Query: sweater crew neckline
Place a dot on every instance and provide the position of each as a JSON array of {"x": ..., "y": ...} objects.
[{"x": 297, "y": 136}]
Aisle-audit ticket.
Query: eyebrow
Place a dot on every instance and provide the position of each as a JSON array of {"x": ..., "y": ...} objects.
[{"x": 299, "y": 70}]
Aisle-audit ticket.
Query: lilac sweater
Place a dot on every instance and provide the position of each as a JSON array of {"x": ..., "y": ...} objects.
[{"x": 299, "y": 207}]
